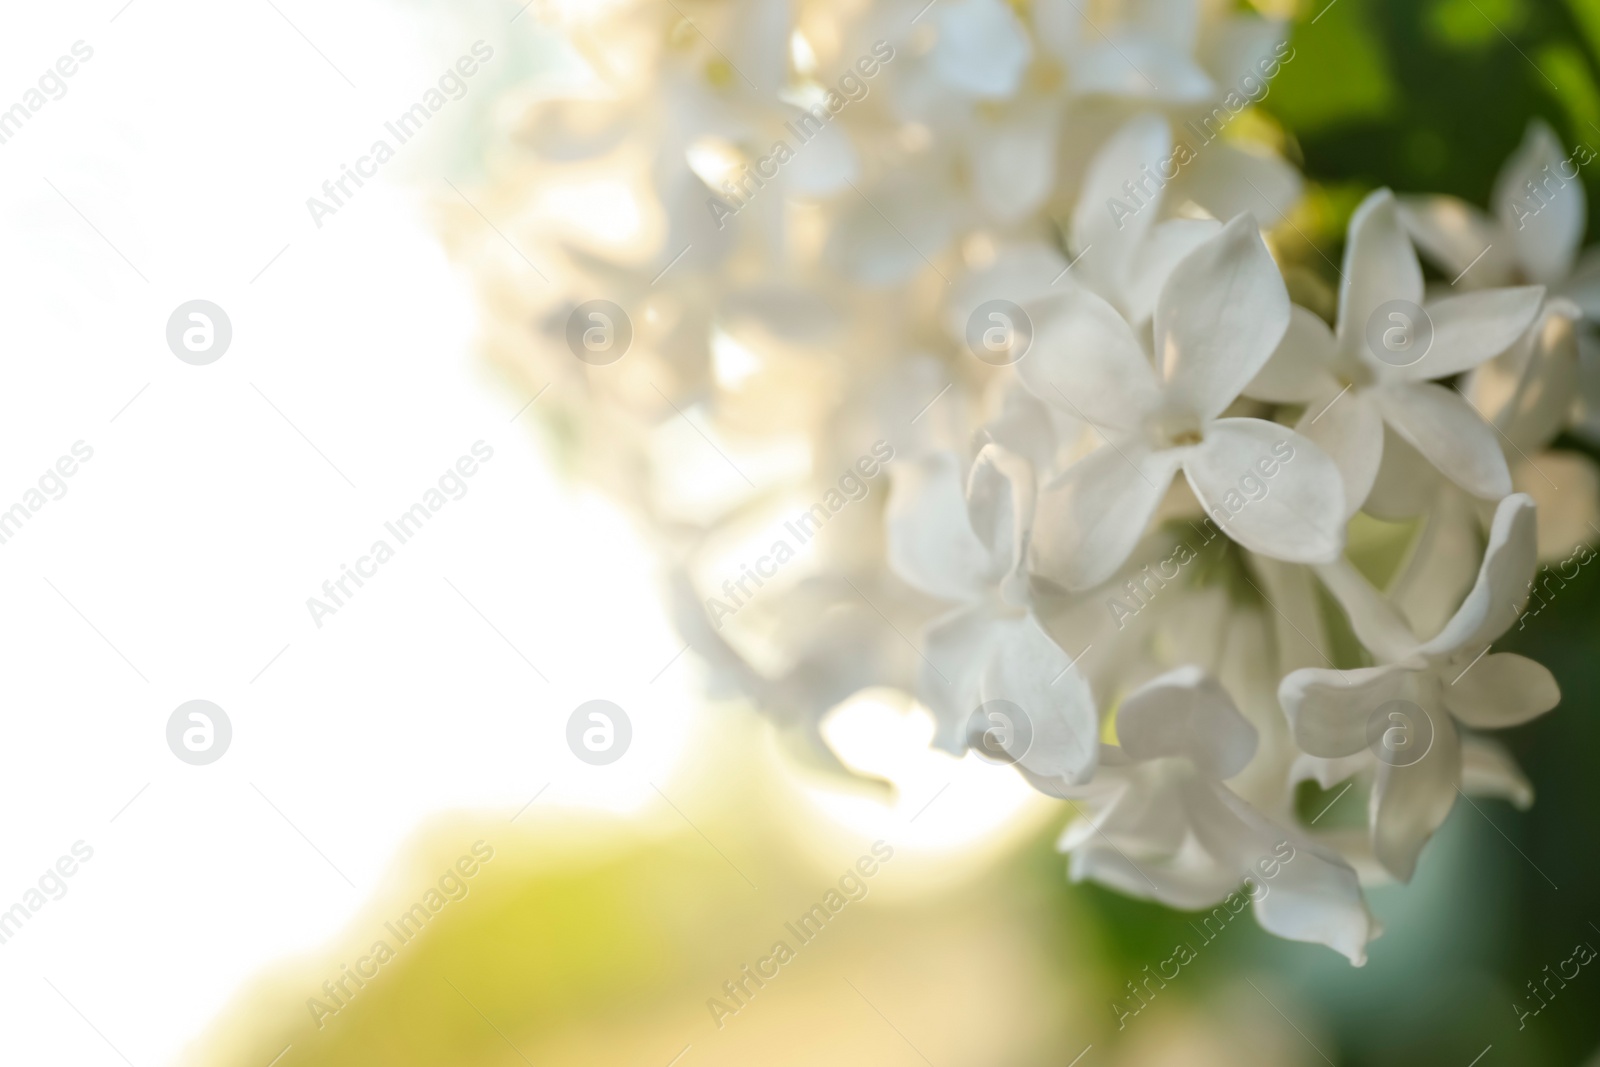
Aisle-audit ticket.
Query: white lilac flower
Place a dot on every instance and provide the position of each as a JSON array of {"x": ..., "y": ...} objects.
[
  {"x": 1161, "y": 51},
  {"x": 1165, "y": 825},
  {"x": 1450, "y": 678},
  {"x": 1351, "y": 394},
  {"x": 1217, "y": 319},
  {"x": 982, "y": 49},
  {"x": 1125, "y": 249},
  {"x": 972, "y": 549},
  {"x": 1068, "y": 158},
  {"x": 1538, "y": 220}
]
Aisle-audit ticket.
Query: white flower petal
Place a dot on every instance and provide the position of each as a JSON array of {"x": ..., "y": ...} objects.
[
  {"x": 930, "y": 541},
  {"x": 1014, "y": 164},
  {"x": 1086, "y": 361},
  {"x": 1407, "y": 484},
  {"x": 1501, "y": 690},
  {"x": 1502, "y": 586},
  {"x": 1547, "y": 222},
  {"x": 1091, "y": 517},
  {"x": 1328, "y": 710},
  {"x": 1062, "y": 27},
  {"x": 1444, "y": 557},
  {"x": 1375, "y": 621},
  {"x": 1187, "y": 883},
  {"x": 1300, "y": 369},
  {"x": 1328, "y": 773},
  {"x": 956, "y": 649},
  {"x": 1219, "y": 317},
  {"x": 1175, "y": 23},
  {"x": 1530, "y": 390},
  {"x": 1442, "y": 426},
  {"x": 1111, "y": 236},
  {"x": 1583, "y": 286},
  {"x": 1302, "y": 891},
  {"x": 1133, "y": 804},
  {"x": 1163, "y": 248},
  {"x": 891, "y": 237},
  {"x": 1487, "y": 770},
  {"x": 827, "y": 166},
  {"x": 1349, "y": 428},
  {"x": 1233, "y": 49},
  {"x": 1409, "y": 803},
  {"x": 1231, "y": 179},
  {"x": 1464, "y": 242},
  {"x": 1379, "y": 266},
  {"x": 1021, "y": 272},
  {"x": 1269, "y": 489},
  {"x": 1033, "y": 672},
  {"x": 982, "y": 48},
  {"x": 1139, "y": 68},
  {"x": 1186, "y": 713},
  {"x": 1566, "y": 486},
  {"x": 1474, "y": 327},
  {"x": 1026, "y": 426},
  {"x": 1000, "y": 504}
]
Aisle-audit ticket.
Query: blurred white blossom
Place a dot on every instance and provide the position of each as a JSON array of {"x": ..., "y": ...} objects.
[{"x": 1012, "y": 241}]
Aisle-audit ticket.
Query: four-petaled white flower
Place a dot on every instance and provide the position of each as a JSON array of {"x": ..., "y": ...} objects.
[
  {"x": 1167, "y": 826},
  {"x": 1381, "y": 296},
  {"x": 1448, "y": 679},
  {"x": 1532, "y": 236},
  {"x": 1217, "y": 320},
  {"x": 991, "y": 648}
]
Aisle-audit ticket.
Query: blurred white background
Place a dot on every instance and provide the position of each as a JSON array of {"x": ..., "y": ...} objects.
[
  {"x": 177, "y": 564},
  {"x": 190, "y": 542}
]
